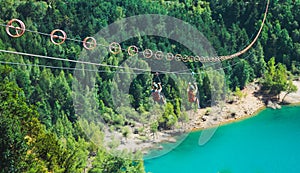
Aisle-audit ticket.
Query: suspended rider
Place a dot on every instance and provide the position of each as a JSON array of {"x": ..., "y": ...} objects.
[
  {"x": 156, "y": 93},
  {"x": 192, "y": 92}
]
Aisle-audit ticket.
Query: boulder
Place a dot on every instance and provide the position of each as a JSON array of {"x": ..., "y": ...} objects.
[{"x": 273, "y": 105}]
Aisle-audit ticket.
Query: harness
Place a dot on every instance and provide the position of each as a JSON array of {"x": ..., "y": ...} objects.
[
  {"x": 156, "y": 96},
  {"x": 191, "y": 96},
  {"x": 191, "y": 92}
]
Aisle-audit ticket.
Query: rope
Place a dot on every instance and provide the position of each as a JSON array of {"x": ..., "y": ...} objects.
[
  {"x": 206, "y": 59},
  {"x": 74, "y": 61},
  {"x": 88, "y": 63},
  {"x": 157, "y": 77},
  {"x": 63, "y": 68},
  {"x": 181, "y": 72},
  {"x": 252, "y": 43},
  {"x": 49, "y": 35}
]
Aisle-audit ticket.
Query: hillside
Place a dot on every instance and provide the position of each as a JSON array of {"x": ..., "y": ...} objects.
[{"x": 58, "y": 113}]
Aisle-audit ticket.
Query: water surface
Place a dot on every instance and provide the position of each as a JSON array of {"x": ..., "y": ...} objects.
[{"x": 267, "y": 143}]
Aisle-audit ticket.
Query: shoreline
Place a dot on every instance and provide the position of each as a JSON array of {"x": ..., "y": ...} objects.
[
  {"x": 293, "y": 99},
  {"x": 250, "y": 105},
  {"x": 232, "y": 120},
  {"x": 234, "y": 110}
]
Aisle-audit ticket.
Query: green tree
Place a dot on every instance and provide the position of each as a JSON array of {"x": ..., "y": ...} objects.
[
  {"x": 126, "y": 132},
  {"x": 261, "y": 64},
  {"x": 154, "y": 128},
  {"x": 241, "y": 74},
  {"x": 290, "y": 89},
  {"x": 184, "y": 118},
  {"x": 276, "y": 79},
  {"x": 107, "y": 163},
  {"x": 169, "y": 118},
  {"x": 19, "y": 124},
  {"x": 238, "y": 93}
]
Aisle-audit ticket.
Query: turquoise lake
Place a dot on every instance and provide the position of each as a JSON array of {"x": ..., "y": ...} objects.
[{"x": 266, "y": 143}]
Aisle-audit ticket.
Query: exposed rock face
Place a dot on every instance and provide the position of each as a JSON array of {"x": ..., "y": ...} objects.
[
  {"x": 273, "y": 105},
  {"x": 292, "y": 98},
  {"x": 278, "y": 106}
]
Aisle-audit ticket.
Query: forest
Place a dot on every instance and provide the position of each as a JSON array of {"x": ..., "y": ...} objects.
[{"x": 41, "y": 124}]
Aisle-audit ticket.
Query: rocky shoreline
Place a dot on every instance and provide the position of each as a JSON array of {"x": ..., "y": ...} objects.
[{"x": 237, "y": 109}]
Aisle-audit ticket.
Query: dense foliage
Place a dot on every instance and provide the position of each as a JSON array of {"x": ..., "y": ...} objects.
[{"x": 39, "y": 126}]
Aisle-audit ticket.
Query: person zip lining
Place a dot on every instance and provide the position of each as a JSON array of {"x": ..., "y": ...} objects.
[
  {"x": 156, "y": 91},
  {"x": 192, "y": 90}
]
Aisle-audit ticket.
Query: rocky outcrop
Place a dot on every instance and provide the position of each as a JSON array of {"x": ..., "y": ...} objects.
[{"x": 273, "y": 105}]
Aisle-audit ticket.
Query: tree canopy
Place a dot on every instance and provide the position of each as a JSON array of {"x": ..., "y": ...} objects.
[{"x": 41, "y": 131}]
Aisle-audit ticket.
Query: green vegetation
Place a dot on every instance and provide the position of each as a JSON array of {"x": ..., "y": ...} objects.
[
  {"x": 153, "y": 128},
  {"x": 277, "y": 79},
  {"x": 238, "y": 93},
  {"x": 39, "y": 126},
  {"x": 26, "y": 146}
]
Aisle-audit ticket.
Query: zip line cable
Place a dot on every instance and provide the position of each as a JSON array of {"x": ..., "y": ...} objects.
[
  {"x": 49, "y": 35},
  {"x": 252, "y": 43},
  {"x": 132, "y": 50},
  {"x": 104, "y": 71},
  {"x": 249, "y": 40},
  {"x": 67, "y": 60},
  {"x": 85, "y": 62},
  {"x": 63, "y": 68}
]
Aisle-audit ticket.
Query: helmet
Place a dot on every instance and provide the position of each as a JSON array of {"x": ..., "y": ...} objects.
[{"x": 192, "y": 87}]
